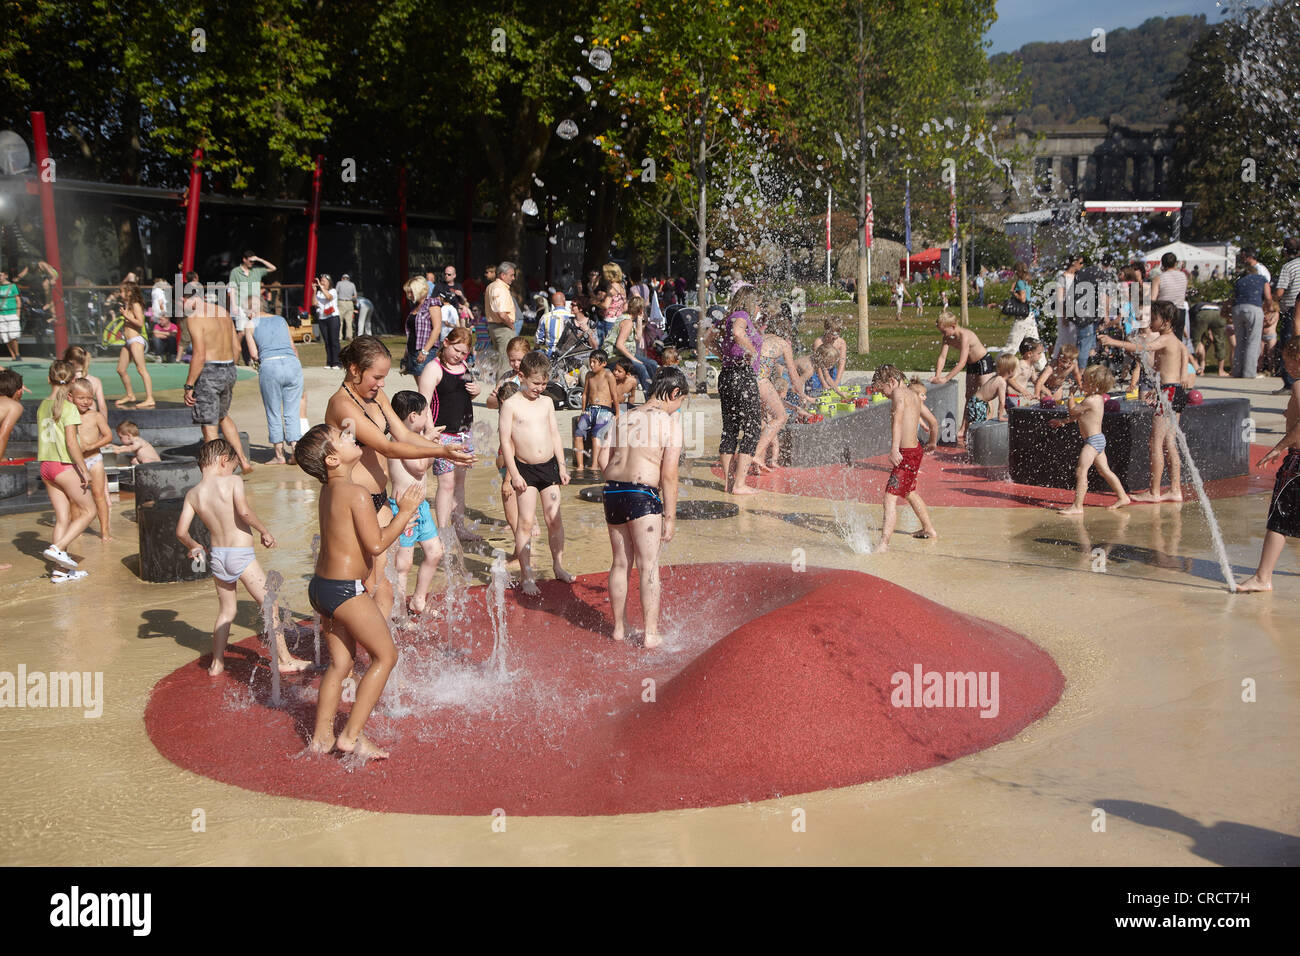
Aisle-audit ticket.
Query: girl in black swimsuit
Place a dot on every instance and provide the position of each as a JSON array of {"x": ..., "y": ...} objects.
[{"x": 367, "y": 362}]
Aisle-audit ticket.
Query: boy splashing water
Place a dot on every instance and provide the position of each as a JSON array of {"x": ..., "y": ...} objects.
[
  {"x": 906, "y": 452},
  {"x": 641, "y": 497}
]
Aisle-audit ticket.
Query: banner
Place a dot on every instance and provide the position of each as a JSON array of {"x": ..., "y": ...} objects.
[{"x": 868, "y": 231}]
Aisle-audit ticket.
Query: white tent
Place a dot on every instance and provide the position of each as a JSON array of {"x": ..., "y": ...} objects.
[{"x": 1191, "y": 256}]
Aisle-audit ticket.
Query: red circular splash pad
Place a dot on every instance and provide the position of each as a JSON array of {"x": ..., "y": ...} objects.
[
  {"x": 771, "y": 683},
  {"x": 949, "y": 480}
]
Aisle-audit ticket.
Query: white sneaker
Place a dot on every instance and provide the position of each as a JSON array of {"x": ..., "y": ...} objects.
[
  {"x": 58, "y": 577},
  {"x": 59, "y": 557}
]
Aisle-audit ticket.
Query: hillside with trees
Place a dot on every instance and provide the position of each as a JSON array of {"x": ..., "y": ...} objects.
[{"x": 1070, "y": 83}]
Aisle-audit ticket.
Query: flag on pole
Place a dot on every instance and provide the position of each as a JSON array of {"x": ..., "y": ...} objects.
[{"x": 868, "y": 231}]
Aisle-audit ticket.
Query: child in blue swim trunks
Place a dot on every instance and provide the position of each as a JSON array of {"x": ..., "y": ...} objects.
[
  {"x": 350, "y": 540},
  {"x": 641, "y": 496},
  {"x": 413, "y": 409},
  {"x": 1097, "y": 381}
]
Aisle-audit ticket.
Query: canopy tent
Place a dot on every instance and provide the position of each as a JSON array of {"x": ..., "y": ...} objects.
[
  {"x": 1191, "y": 256},
  {"x": 921, "y": 262}
]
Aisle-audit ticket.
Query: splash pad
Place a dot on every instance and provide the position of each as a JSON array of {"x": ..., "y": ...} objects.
[{"x": 771, "y": 682}]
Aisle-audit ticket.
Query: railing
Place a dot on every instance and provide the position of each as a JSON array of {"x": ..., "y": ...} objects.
[{"x": 87, "y": 310}]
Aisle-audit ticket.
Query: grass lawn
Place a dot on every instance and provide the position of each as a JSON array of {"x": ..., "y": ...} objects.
[{"x": 911, "y": 345}]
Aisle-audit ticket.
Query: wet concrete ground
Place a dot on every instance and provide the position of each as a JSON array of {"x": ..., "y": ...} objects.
[{"x": 1152, "y": 727}]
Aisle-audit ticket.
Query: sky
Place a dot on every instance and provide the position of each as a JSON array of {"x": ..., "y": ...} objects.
[{"x": 1024, "y": 21}]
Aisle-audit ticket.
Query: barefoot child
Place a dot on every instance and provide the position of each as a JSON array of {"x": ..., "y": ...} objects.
[
  {"x": 130, "y": 443},
  {"x": 350, "y": 540},
  {"x": 1025, "y": 378},
  {"x": 908, "y": 412},
  {"x": 63, "y": 470},
  {"x": 509, "y": 500},
  {"x": 11, "y": 406},
  {"x": 530, "y": 441},
  {"x": 1284, "y": 508},
  {"x": 831, "y": 336},
  {"x": 81, "y": 359},
  {"x": 972, "y": 357},
  {"x": 1062, "y": 373},
  {"x": 219, "y": 502},
  {"x": 413, "y": 409},
  {"x": 94, "y": 436},
  {"x": 1097, "y": 381},
  {"x": 641, "y": 497},
  {"x": 1169, "y": 363},
  {"x": 516, "y": 349},
  {"x": 599, "y": 411},
  {"x": 995, "y": 389}
]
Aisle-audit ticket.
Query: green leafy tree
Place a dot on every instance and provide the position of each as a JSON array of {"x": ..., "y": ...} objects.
[
  {"x": 1238, "y": 149},
  {"x": 894, "y": 92},
  {"x": 694, "y": 74}
]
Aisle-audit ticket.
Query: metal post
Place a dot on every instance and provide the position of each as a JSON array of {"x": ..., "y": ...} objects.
[
  {"x": 191, "y": 215},
  {"x": 45, "y": 183},
  {"x": 313, "y": 210}
]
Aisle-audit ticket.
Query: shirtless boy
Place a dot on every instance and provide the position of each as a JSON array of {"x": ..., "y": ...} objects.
[
  {"x": 350, "y": 540},
  {"x": 1168, "y": 357},
  {"x": 1097, "y": 381},
  {"x": 413, "y": 409},
  {"x": 130, "y": 443},
  {"x": 530, "y": 441},
  {"x": 11, "y": 406},
  {"x": 641, "y": 497},
  {"x": 599, "y": 411},
  {"x": 1284, "y": 508},
  {"x": 624, "y": 385},
  {"x": 996, "y": 389},
  {"x": 1055, "y": 378},
  {"x": 972, "y": 357},
  {"x": 218, "y": 500},
  {"x": 905, "y": 454},
  {"x": 95, "y": 436},
  {"x": 211, "y": 382}
]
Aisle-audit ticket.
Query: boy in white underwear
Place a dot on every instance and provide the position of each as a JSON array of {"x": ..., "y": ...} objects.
[{"x": 218, "y": 499}]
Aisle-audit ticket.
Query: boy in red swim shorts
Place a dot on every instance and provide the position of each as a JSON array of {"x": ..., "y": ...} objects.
[{"x": 909, "y": 411}]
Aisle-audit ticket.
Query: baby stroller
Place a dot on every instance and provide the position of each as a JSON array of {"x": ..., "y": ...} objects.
[{"x": 567, "y": 362}]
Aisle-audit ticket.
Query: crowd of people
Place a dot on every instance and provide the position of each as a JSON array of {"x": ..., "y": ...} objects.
[{"x": 373, "y": 455}]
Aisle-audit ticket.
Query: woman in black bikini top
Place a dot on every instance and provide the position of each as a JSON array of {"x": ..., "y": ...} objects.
[{"x": 367, "y": 362}]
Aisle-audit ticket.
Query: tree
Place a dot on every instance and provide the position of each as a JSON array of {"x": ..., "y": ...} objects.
[
  {"x": 919, "y": 91},
  {"x": 1238, "y": 149},
  {"x": 695, "y": 76}
]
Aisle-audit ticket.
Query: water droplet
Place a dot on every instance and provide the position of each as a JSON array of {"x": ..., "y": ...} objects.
[
  {"x": 529, "y": 208},
  {"x": 600, "y": 58},
  {"x": 577, "y": 39},
  {"x": 583, "y": 83},
  {"x": 567, "y": 129}
]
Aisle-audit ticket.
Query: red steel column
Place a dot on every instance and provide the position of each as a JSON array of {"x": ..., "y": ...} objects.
[
  {"x": 191, "y": 216},
  {"x": 313, "y": 210},
  {"x": 51, "y": 229}
]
